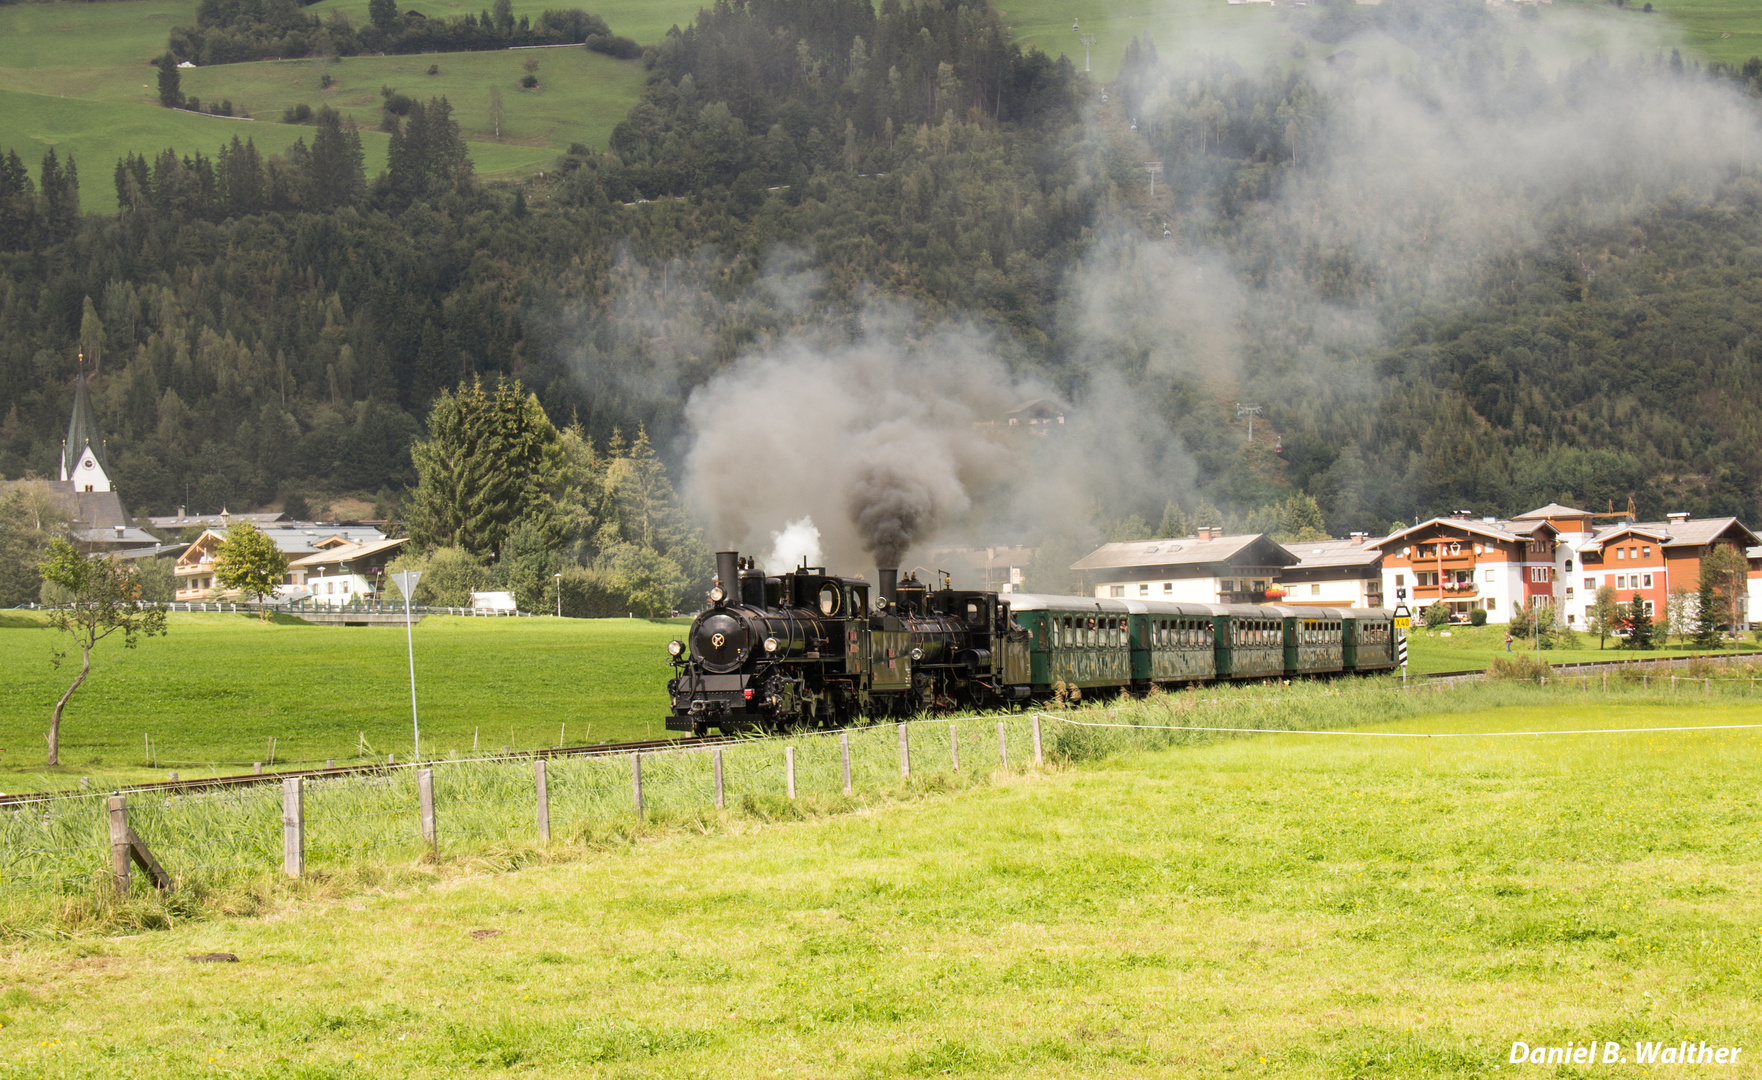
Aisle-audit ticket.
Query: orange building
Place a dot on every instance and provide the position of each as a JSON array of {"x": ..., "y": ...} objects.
[{"x": 1466, "y": 563}]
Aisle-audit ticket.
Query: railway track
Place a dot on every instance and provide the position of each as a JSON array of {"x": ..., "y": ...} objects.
[{"x": 250, "y": 779}]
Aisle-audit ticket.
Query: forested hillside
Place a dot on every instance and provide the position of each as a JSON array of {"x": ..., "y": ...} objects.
[{"x": 1451, "y": 276}]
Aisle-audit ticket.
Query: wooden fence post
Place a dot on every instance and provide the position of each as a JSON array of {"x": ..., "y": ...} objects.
[
  {"x": 716, "y": 767},
  {"x": 119, "y": 852},
  {"x": 542, "y": 792},
  {"x": 293, "y": 826},
  {"x": 844, "y": 754},
  {"x": 425, "y": 796},
  {"x": 905, "y": 754},
  {"x": 1039, "y": 758},
  {"x": 636, "y": 782},
  {"x": 1002, "y": 749},
  {"x": 954, "y": 745},
  {"x": 789, "y": 769}
]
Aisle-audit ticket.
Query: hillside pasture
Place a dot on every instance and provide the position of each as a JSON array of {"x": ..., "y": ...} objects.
[
  {"x": 214, "y": 689},
  {"x": 1291, "y": 906},
  {"x": 79, "y": 78}
]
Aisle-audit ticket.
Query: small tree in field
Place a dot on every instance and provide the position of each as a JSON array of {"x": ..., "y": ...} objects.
[
  {"x": 1639, "y": 624},
  {"x": 1605, "y": 613},
  {"x": 1679, "y": 607},
  {"x": 249, "y": 561},
  {"x": 1707, "y": 613},
  {"x": 103, "y": 599},
  {"x": 170, "y": 94}
]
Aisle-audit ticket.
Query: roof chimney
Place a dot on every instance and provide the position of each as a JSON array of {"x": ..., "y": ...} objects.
[
  {"x": 1358, "y": 537},
  {"x": 1678, "y": 517},
  {"x": 1204, "y": 532}
]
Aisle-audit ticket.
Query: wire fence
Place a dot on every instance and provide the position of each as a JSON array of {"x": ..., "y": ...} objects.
[{"x": 68, "y": 843}]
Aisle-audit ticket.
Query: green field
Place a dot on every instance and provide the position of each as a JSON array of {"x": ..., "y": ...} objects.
[
  {"x": 1474, "y": 647},
  {"x": 77, "y": 77},
  {"x": 1281, "y": 906},
  {"x": 215, "y": 688}
]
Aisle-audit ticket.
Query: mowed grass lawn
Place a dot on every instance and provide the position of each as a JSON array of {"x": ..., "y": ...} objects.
[
  {"x": 1474, "y": 647},
  {"x": 1282, "y": 906},
  {"x": 215, "y": 688}
]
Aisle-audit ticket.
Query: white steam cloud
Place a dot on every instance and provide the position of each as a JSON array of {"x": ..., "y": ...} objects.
[{"x": 796, "y": 545}]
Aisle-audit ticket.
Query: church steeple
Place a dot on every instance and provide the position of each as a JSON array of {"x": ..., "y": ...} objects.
[{"x": 82, "y": 455}]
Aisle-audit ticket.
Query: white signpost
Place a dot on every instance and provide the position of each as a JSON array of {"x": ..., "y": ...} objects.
[
  {"x": 1402, "y": 620},
  {"x": 407, "y": 580}
]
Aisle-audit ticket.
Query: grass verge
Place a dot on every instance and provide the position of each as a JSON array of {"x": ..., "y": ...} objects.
[{"x": 1294, "y": 906}]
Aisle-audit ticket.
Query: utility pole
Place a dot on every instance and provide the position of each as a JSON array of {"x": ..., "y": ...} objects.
[
  {"x": 1154, "y": 168},
  {"x": 1248, "y": 411}
]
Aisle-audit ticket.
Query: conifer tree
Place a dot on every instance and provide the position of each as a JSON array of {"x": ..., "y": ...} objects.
[{"x": 1639, "y": 624}]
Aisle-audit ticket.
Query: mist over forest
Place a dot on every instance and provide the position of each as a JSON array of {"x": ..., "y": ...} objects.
[{"x": 1460, "y": 258}]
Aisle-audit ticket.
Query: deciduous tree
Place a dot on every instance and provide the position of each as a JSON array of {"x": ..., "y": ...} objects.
[
  {"x": 249, "y": 561},
  {"x": 102, "y": 598},
  {"x": 1604, "y": 614}
]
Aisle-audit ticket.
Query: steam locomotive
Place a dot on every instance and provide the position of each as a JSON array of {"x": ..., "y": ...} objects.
[{"x": 807, "y": 649}]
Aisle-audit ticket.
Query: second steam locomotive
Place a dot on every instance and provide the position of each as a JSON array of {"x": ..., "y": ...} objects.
[{"x": 809, "y": 649}]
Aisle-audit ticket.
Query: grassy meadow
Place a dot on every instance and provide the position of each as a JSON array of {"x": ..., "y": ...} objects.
[
  {"x": 1473, "y": 647},
  {"x": 1283, "y": 905},
  {"x": 215, "y": 688},
  {"x": 78, "y": 77}
]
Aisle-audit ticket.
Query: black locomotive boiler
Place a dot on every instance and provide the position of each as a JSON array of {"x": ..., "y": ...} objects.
[{"x": 809, "y": 649}]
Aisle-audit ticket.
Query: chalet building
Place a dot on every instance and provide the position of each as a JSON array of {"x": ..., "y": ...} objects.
[
  {"x": 344, "y": 572},
  {"x": 194, "y": 571},
  {"x": 1466, "y": 563},
  {"x": 1560, "y": 553},
  {"x": 1334, "y": 573},
  {"x": 1649, "y": 558},
  {"x": 1206, "y": 568}
]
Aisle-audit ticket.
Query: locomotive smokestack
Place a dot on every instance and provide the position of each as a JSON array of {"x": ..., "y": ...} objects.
[
  {"x": 728, "y": 575},
  {"x": 889, "y": 584}
]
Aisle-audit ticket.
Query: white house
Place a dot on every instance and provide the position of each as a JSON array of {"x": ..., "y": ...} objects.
[
  {"x": 1206, "y": 568},
  {"x": 345, "y": 572}
]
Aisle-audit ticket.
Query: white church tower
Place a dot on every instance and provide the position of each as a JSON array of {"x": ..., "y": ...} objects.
[{"x": 82, "y": 455}]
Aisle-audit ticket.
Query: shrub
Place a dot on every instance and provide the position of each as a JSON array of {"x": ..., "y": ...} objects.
[
  {"x": 1477, "y": 617},
  {"x": 529, "y": 81},
  {"x": 618, "y": 48},
  {"x": 1520, "y": 666},
  {"x": 326, "y": 81},
  {"x": 193, "y": 104},
  {"x": 1437, "y": 615},
  {"x": 297, "y": 114},
  {"x": 434, "y": 69}
]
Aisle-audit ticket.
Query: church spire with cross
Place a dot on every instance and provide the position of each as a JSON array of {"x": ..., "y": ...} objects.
[{"x": 83, "y": 460}]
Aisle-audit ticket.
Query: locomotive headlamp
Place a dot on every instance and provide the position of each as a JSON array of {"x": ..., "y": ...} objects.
[
  {"x": 917, "y": 654},
  {"x": 770, "y": 644},
  {"x": 675, "y": 648},
  {"x": 716, "y": 594}
]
